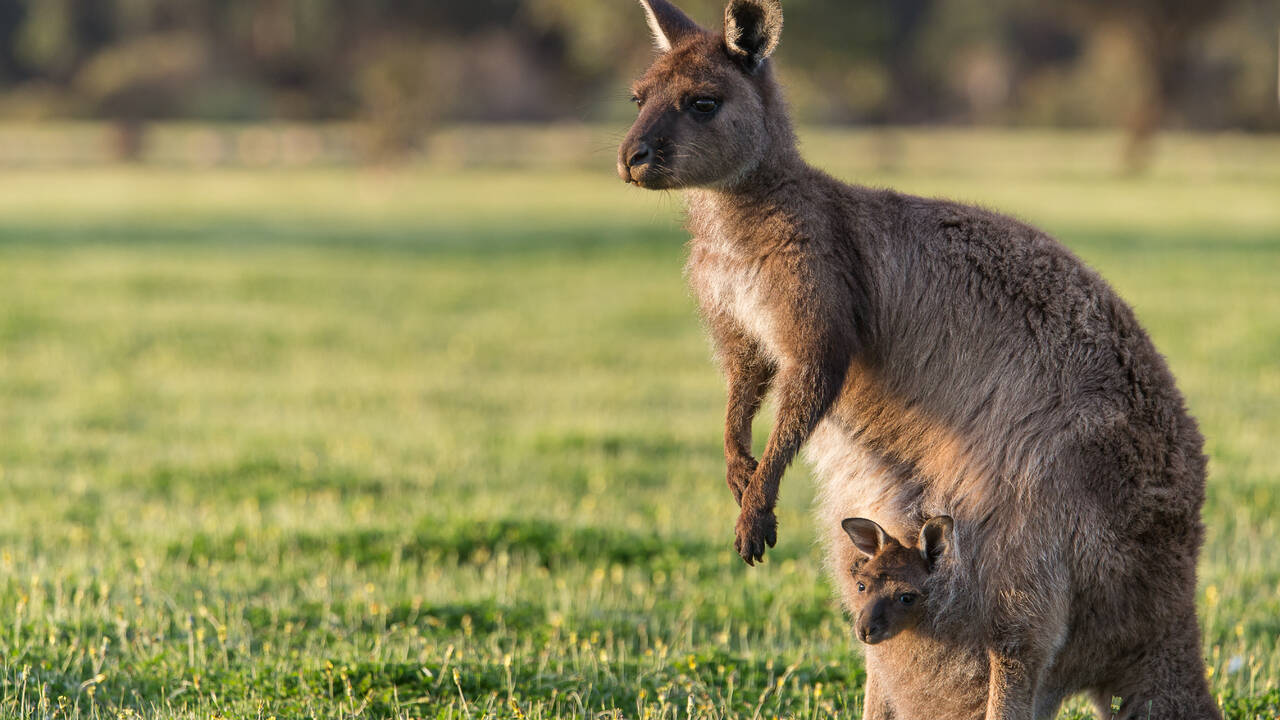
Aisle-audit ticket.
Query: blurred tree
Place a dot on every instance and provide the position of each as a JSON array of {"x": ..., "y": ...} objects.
[
  {"x": 133, "y": 82},
  {"x": 1165, "y": 33},
  {"x": 401, "y": 66},
  {"x": 404, "y": 87}
]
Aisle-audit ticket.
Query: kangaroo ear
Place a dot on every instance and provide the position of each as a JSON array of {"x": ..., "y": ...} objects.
[
  {"x": 751, "y": 30},
  {"x": 866, "y": 535},
  {"x": 667, "y": 22},
  {"x": 935, "y": 538}
]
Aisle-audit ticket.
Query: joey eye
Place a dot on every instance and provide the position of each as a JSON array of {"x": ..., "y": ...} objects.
[
  {"x": 862, "y": 588},
  {"x": 636, "y": 99},
  {"x": 907, "y": 598},
  {"x": 704, "y": 106}
]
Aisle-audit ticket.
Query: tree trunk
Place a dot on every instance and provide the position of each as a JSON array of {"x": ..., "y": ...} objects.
[{"x": 130, "y": 135}]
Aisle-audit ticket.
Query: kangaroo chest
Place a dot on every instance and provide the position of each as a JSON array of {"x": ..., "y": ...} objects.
[
  {"x": 925, "y": 677},
  {"x": 732, "y": 285}
]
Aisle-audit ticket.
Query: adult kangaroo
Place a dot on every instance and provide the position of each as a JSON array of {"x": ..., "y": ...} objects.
[{"x": 938, "y": 359}]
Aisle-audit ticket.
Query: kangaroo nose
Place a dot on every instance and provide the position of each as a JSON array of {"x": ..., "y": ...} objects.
[
  {"x": 870, "y": 631},
  {"x": 640, "y": 155}
]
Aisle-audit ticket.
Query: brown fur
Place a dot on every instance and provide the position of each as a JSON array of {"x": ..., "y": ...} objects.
[
  {"x": 930, "y": 675},
  {"x": 892, "y": 577},
  {"x": 938, "y": 359}
]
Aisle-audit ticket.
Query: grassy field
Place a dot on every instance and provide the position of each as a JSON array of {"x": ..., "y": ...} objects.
[{"x": 445, "y": 443}]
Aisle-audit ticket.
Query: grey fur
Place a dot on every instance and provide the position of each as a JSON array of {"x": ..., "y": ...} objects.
[{"x": 939, "y": 359}]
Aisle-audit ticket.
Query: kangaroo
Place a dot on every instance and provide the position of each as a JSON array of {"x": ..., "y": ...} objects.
[
  {"x": 892, "y": 579},
  {"x": 937, "y": 359},
  {"x": 897, "y": 612}
]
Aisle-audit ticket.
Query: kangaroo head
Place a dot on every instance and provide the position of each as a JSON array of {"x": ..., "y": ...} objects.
[
  {"x": 891, "y": 578},
  {"x": 710, "y": 111}
]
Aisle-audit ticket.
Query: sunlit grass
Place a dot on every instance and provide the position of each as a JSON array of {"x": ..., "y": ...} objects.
[{"x": 444, "y": 443}]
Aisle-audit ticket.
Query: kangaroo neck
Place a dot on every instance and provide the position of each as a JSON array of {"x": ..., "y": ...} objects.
[{"x": 775, "y": 186}]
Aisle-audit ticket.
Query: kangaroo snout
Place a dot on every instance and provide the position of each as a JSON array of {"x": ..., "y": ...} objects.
[
  {"x": 641, "y": 153},
  {"x": 634, "y": 159},
  {"x": 870, "y": 632},
  {"x": 871, "y": 627}
]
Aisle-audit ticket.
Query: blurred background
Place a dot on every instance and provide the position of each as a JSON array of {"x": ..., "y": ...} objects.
[
  {"x": 340, "y": 376},
  {"x": 400, "y": 69}
]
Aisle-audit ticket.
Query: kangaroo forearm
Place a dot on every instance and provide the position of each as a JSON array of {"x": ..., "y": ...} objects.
[
  {"x": 747, "y": 388},
  {"x": 783, "y": 446},
  {"x": 804, "y": 399}
]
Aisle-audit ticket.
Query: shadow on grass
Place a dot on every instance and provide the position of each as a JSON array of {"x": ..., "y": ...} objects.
[
  {"x": 629, "y": 627},
  {"x": 250, "y": 234},
  {"x": 267, "y": 478},
  {"x": 515, "y": 236},
  {"x": 541, "y": 542}
]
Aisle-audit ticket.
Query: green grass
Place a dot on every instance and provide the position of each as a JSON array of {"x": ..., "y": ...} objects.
[{"x": 445, "y": 443}]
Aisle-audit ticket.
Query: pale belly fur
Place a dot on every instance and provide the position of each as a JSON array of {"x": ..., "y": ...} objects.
[{"x": 853, "y": 482}]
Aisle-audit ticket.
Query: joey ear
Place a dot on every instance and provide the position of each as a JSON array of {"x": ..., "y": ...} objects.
[
  {"x": 935, "y": 538},
  {"x": 866, "y": 535},
  {"x": 751, "y": 30},
  {"x": 668, "y": 23}
]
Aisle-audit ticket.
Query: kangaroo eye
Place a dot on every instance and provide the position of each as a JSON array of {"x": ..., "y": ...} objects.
[
  {"x": 907, "y": 598},
  {"x": 861, "y": 587},
  {"x": 704, "y": 105},
  {"x": 636, "y": 99}
]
